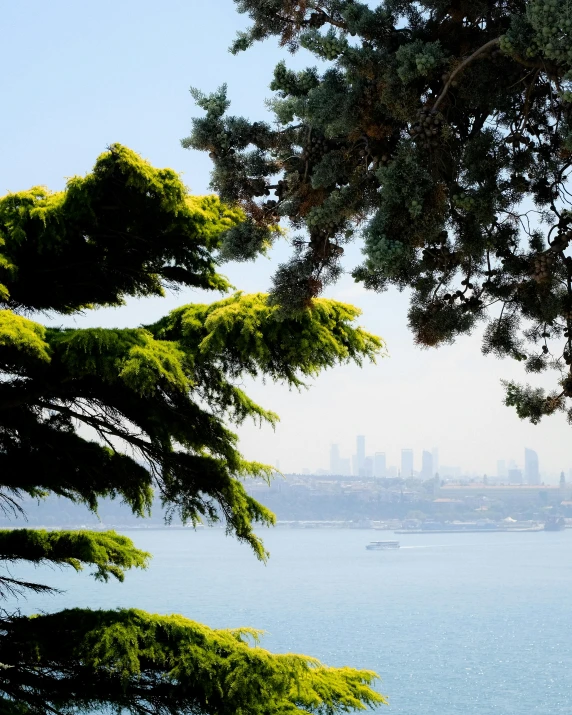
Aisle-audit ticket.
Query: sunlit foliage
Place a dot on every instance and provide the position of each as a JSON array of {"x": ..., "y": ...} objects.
[{"x": 129, "y": 413}]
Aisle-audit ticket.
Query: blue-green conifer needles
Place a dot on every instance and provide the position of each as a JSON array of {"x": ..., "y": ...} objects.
[
  {"x": 439, "y": 132},
  {"x": 158, "y": 401}
]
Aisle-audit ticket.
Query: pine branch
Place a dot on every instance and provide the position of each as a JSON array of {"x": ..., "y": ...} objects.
[
  {"x": 168, "y": 664},
  {"x": 165, "y": 394},
  {"x": 16, "y": 587},
  {"x": 108, "y": 551}
]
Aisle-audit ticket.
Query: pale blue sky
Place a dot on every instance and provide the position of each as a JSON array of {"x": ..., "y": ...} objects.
[{"x": 78, "y": 76}]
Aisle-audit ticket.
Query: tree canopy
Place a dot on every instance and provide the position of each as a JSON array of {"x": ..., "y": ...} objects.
[
  {"x": 440, "y": 133},
  {"x": 129, "y": 413}
]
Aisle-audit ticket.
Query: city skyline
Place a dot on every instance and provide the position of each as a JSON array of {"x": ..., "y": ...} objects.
[{"x": 368, "y": 462}]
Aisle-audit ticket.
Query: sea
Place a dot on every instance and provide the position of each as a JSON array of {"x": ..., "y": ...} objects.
[{"x": 454, "y": 624}]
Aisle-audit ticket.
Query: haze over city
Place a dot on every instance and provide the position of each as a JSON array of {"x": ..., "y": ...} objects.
[
  {"x": 366, "y": 461},
  {"x": 451, "y": 397}
]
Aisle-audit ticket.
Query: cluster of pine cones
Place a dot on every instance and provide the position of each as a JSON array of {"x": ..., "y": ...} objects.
[
  {"x": 542, "y": 267},
  {"x": 426, "y": 129}
]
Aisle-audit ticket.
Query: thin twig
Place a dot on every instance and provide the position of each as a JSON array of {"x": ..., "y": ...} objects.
[{"x": 487, "y": 46}]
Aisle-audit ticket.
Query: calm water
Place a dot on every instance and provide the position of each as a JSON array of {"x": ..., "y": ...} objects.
[{"x": 454, "y": 624}]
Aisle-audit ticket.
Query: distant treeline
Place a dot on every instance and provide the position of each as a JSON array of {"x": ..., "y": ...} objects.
[
  {"x": 57, "y": 511},
  {"x": 288, "y": 503}
]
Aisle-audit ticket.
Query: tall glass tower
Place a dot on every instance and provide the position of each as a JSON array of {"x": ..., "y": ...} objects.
[
  {"x": 406, "y": 463},
  {"x": 531, "y": 473},
  {"x": 335, "y": 459},
  {"x": 360, "y": 453},
  {"x": 427, "y": 465},
  {"x": 379, "y": 465}
]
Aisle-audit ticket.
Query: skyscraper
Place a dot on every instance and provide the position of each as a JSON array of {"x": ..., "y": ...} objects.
[
  {"x": 515, "y": 476},
  {"x": 435, "y": 452},
  {"x": 360, "y": 452},
  {"x": 406, "y": 463},
  {"x": 426, "y": 465},
  {"x": 367, "y": 469},
  {"x": 501, "y": 468},
  {"x": 531, "y": 473},
  {"x": 379, "y": 465},
  {"x": 355, "y": 468},
  {"x": 335, "y": 459}
]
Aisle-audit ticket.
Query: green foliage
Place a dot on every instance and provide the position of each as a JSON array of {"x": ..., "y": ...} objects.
[
  {"x": 130, "y": 357},
  {"x": 154, "y": 379},
  {"x": 418, "y": 59},
  {"x": 294, "y": 83},
  {"x": 124, "y": 229},
  {"x": 501, "y": 338},
  {"x": 244, "y": 334},
  {"x": 164, "y": 664},
  {"x": 440, "y": 134},
  {"x": 530, "y": 403},
  {"x": 135, "y": 413},
  {"x": 327, "y": 47},
  {"x": 552, "y": 25},
  {"x": 21, "y": 341},
  {"x": 111, "y": 553},
  {"x": 387, "y": 255},
  {"x": 245, "y": 242}
]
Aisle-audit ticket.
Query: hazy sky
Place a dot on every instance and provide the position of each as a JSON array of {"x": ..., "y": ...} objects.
[{"x": 79, "y": 76}]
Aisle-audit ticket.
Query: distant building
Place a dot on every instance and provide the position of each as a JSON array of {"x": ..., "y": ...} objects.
[
  {"x": 379, "y": 465},
  {"x": 335, "y": 459},
  {"x": 531, "y": 473},
  {"x": 435, "y": 453},
  {"x": 360, "y": 452},
  {"x": 426, "y": 465},
  {"x": 345, "y": 467},
  {"x": 501, "y": 468},
  {"x": 367, "y": 469},
  {"x": 355, "y": 468},
  {"x": 515, "y": 476},
  {"x": 406, "y": 463}
]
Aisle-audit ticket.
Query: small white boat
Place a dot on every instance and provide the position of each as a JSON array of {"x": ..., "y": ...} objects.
[{"x": 382, "y": 545}]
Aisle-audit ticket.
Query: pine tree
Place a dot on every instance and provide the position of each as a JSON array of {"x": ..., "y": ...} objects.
[
  {"x": 440, "y": 133},
  {"x": 158, "y": 401}
]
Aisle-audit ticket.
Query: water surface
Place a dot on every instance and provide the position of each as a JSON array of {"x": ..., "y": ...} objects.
[{"x": 455, "y": 624}]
